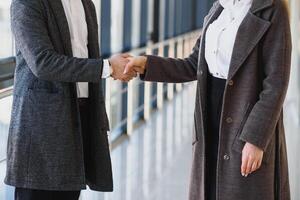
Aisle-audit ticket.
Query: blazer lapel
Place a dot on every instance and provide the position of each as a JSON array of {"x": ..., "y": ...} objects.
[
  {"x": 93, "y": 43},
  {"x": 249, "y": 34},
  {"x": 61, "y": 20},
  {"x": 92, "y": 25}
]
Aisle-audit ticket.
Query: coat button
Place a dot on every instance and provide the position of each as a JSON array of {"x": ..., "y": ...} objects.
[
  {"x": 229, "y": 120},
  {"x": 201, "y": 72},
  {"x": 230, "y": 82},
  {"x": 226, "y": 157}
]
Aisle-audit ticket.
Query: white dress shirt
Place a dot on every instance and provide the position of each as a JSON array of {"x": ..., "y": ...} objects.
[
  {"x": 221, "y": 34},
  {"x": 75, "y": 14}
]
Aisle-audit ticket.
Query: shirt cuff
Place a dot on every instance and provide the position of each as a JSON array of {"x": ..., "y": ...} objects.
[{"x": 106, "y": 69}]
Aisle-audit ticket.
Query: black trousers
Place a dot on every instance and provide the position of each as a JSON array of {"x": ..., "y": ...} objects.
[
  {"x": 30, "y": 194},
  {"x": 215, "y": 90}
]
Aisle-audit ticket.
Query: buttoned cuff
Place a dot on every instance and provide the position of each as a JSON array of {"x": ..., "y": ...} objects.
[{"x": 106, "y": 69}]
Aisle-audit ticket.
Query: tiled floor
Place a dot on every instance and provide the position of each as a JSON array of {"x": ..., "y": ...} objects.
[
  {"x": 292, "y": 131},
  {"x": 154, "y": 164}
]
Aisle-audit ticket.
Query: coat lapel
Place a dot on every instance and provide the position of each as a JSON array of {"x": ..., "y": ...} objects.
[
  {"x": 61, "y": 20},
  {"x": 259, "y": 5},
  {"x": 249, "y": 34},
  {"x": 251, "y": 30}
]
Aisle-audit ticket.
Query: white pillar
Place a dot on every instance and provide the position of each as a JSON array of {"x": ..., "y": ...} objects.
[
  {"x": 160, "y": 86},
  {"x": 179, "y": 55},
  {"x": 147, "y": 91},
  {"x": 130, "y": 107},
  {"x": 171, "y": 85}
]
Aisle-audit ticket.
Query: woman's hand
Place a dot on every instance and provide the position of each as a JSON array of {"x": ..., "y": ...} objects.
[
  {"x": 251, "y": 159},
  {"x": 136, "y": 64}
]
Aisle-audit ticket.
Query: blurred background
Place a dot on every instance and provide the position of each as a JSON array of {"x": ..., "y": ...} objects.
[{"x": 151, "y": 123}]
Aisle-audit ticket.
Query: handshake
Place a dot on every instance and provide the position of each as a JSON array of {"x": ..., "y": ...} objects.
[{"x": 126, "y": 67}]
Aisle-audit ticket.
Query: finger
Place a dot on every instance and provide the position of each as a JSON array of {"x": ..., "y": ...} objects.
[
  {"x": 127, "y": 79},
  {"x": 131, "y": 74},
  {"x": 129, "y": 66},
  {"x": 244, "y": 164},
  {"x": 249, "y": 165},
  {"x": 254, "y": 166},
  {"x": 259, "y": 163}
]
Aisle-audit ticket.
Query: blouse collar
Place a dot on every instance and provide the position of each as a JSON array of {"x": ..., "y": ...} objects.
[{"x": 234, "y": 3}]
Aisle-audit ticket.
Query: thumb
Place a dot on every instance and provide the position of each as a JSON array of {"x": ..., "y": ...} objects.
[{"x": 128, "y": 66}]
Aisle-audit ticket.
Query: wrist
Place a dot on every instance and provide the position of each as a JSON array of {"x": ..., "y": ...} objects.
[{"x": 144, "y": 62}]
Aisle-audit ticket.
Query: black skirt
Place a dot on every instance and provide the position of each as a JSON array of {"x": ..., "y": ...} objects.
[{"x": 215, "y": 90}]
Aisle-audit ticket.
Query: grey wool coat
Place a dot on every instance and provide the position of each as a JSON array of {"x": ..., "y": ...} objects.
[
  {"x": 252, "y": 105},
  {"x": 45, "y": 147}
]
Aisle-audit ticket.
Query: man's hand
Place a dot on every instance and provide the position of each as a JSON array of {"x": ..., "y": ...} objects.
[
  {"x": 118, "y": 63},
  {"x": 251, "y": 159},
  {"x": 136, "y": 64}
]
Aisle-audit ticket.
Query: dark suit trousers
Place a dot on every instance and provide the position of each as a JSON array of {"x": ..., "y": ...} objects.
[
  {"x": 30, "y": 194},
  {"x": 215, "y": 90}
]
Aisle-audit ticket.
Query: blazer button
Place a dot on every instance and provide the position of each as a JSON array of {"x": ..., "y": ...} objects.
[
  {"x": 229, "y": 120},
  {"x": 230, "y": 82},
  {"x": 226, "y": 157}
]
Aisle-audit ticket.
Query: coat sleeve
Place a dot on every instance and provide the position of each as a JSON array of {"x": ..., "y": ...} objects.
[
  {"x": 276, "y": 54},
  {"x": 159, "y": 69},
  {"x": 29, "y": 26}
]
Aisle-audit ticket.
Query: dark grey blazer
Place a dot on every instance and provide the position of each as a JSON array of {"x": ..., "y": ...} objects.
[
  {"x": 252, "y": 104},
  {"x": 45, "y": 148}
]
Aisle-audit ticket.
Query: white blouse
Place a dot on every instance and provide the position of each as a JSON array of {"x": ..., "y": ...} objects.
[{"x": 221, "y": 34}]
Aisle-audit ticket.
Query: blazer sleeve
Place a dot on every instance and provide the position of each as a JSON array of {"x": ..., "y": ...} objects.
[
  {"x": 29, "y": 26},
  {"x": 276, "y": 54},
  {"x": 159, "y": 69}
]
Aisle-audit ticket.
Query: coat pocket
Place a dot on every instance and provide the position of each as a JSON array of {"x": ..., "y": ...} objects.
[
  {"x": 195, "y": 135},
  {"x": 238, "y": 144}
]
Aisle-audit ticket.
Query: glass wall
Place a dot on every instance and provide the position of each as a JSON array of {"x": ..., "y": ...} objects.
[
  {"x": 6, "y": 47},
  {"x": 129, "y": 24}
]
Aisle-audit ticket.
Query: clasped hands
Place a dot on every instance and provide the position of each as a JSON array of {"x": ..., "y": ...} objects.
[{"x": 126, "y": 67}]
